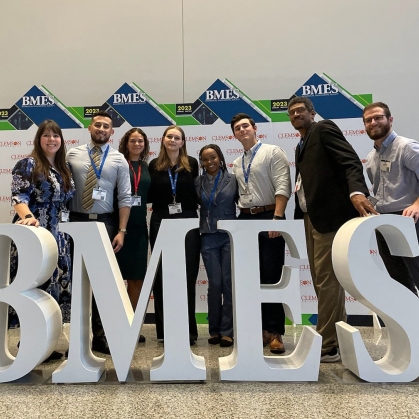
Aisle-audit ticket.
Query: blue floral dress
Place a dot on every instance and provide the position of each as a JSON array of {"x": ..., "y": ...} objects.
[{"x": 45, "y": 199}]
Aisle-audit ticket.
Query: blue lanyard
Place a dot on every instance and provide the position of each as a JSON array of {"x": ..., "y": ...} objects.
[
  {"x": 173, "y": 183},
  {"x": 214, "y": 188},
  {"x": 246, "y": 173},
  {"x": 98, "y": 172}
]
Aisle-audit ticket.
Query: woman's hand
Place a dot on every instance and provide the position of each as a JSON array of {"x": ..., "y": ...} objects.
[{"x": 29, "y": 222}]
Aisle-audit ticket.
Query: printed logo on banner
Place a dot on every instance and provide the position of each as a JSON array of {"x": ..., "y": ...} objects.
[
  {"x": 6, "y": 171},
  {"x": 223, "y": 137},
  {"x": 235, "y": 151},
  {"x": 374, "y": 252},
  {"x": 19, "y": 156},
  {"x": 134, "y": 106},
  {"x": 71, "y": 142},
  {"x": 304, "y": 267},
  {"x": 291, "y": 163},
  {"x": 323, "y": 89},
  {"x": 226, "y": 101},
  {"x": 329, "y": 101},
  {"x": 309, "y": 299},
  {"x": 305, "y": 283},
  {"x": 6, "y": 198},
  {"x": 350, "y": 299},
  {"x": 128, "y": 99},
  {"x": 288, "y": 135},
  {"x": 353, "y": 132},
  {"x": 152, "y": 154},
  {"x": 38, "y": 104},
  {"x": 196, "y": 139},
  {"x": 154, "y": 139},
  {"x": 202, "y": 282},
  {"x": 10, "y": 143}
]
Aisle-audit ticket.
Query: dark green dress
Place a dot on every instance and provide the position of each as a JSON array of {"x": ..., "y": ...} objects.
[{"x": 132, "y": 258}]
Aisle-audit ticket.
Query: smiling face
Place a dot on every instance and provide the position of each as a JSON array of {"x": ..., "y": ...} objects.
[
  {"x": 172, "y": 141},
  {"x": 210, "y": 161},
  {"x": 300, "y": 117},
  {"x": 50, "y": 143},
  {"x": 135, "y": 145},
  {"x": 377, "y": 124},
  {"x": 100, "y": 130}
]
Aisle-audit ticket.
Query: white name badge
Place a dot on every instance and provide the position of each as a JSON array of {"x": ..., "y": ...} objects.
[
  {"x": 385, "y": 166},
  {"x": 99, "y": 194},
  {"x": 246, "y": 198},
  {"x": 136, "y": 201},
  {"x": 175, "y": 209},
  {"x": 64, "y": 216}
]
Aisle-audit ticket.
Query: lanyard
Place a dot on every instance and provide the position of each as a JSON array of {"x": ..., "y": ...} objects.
[
  {"x": 173, "y": 183},
  {"x": 214, "y": 188},
  {"x": 137, "y": 176},
  {"x": 246, "y": 173},
  {"x": 98, "y": 172}
]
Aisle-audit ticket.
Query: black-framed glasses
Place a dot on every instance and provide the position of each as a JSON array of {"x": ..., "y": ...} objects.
[
  {"x": 377, "y": 118},
  {"x": 296, "y": 111}
]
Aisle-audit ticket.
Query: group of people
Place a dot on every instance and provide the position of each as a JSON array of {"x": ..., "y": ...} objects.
[{"x": 95, "y": 182}]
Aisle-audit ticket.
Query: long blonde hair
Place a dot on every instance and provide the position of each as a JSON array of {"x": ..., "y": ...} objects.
[{"x": 163, "y": 161}]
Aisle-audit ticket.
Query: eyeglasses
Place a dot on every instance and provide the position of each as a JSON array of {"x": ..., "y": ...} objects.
[
  {"x": 297, "y": 111},
  {"x": 376, "y": 118}
]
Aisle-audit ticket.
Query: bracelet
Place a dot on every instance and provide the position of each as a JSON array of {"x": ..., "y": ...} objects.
[
  {"x": 28, "y": 216},
  {"x": 122, "y": 230},
  {"x": 278, "y": 217}
]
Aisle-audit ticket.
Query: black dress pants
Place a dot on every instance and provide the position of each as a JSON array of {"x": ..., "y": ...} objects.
[
  {"x": 271, "y": 261},
  {"x": 192, "y": 248}
]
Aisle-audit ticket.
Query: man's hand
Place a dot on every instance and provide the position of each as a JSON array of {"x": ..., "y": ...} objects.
[
  {"x": 362, "y": 205},
  {"x": 273, "y": 234},
  {"x": 412, "y": 211},
  {"x": 118, "y": 242}
]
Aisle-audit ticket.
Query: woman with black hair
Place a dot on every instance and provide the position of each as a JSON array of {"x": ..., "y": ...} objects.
[{"x": 217, "y": 192}]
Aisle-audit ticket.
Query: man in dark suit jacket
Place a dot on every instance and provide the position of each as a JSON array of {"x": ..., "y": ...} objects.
[{"x": 330, "y": 190}]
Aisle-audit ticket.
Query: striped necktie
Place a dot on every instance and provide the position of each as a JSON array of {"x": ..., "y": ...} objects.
[{"x": 87, "y": 200}]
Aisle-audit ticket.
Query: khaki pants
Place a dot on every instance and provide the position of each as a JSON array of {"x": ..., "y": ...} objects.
[{"x": 330, "y": 294}]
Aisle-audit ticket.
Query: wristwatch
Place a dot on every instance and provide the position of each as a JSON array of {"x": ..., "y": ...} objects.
[
  {"x": 29, "y": 216},
  {"x": 122, "y": 230},
  {"x": 278, "y": 217}
]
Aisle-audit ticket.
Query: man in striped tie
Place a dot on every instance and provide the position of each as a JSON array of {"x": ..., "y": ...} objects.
[{"x": 98, "y": 170}]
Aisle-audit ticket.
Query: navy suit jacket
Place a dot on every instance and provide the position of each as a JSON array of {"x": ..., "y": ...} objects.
[{"x": 330, "y": 170}]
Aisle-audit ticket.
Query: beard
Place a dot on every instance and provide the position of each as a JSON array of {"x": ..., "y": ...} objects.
[
  {"x": 99, "y": 139},
  {"x": 379, "y": 131}
]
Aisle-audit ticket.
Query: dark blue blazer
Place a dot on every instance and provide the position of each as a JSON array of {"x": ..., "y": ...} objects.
[{"x": 223, "y": 206}]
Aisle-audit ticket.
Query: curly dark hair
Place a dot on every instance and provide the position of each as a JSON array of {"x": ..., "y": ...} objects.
[{"x": 124, "y": 141}]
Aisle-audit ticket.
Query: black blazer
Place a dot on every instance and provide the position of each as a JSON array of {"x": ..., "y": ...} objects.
[{"x": 330, "y": 170}]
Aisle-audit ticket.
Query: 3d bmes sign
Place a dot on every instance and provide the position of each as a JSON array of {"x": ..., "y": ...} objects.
[{"x": 95, "y": 265}]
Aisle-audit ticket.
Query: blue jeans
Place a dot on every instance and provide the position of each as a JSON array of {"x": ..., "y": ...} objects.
[{"x": 215, "y": 250}]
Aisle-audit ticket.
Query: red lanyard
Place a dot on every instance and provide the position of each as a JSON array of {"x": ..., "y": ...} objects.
[{"x": 137, "y": 176}]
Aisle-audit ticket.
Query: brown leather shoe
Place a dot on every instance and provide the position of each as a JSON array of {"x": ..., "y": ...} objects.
[
  {"x": 266, "y": 336},
  {"x": 277, "y": 346}
]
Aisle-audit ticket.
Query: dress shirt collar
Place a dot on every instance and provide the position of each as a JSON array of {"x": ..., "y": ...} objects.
[
  {"x": 103, "y": 147},
  {"x": 387, "y": 142},
  {"x": 251, "y": 150}
]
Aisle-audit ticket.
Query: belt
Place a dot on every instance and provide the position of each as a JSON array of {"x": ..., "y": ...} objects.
[
  {"x": 91, "y": 217},
  {"x": 257, "y": 210}
]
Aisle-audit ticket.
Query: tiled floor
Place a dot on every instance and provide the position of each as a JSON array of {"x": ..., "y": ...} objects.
[{"x": 337, "y": 394}]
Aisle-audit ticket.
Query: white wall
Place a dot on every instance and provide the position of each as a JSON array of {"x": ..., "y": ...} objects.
[{"x": 174, "y": 49}]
